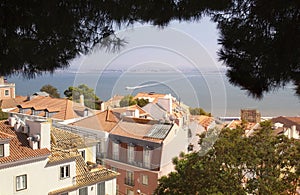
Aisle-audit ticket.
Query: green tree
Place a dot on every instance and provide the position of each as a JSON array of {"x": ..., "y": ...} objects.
[
  {"x": 3, "y": 115},
  {"x": 127, "y": 101},
  {"x": 142, "y": 102},
  {"x": 259, "y": 39},
  {"x": 199, "y": 111},
  {"x": 90, "y": 98},
  {"x": 52, "y": 91},
  {"x": 235, "y": 164}
]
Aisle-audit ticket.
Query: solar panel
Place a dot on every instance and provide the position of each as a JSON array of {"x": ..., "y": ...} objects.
[{"x": 158, "y": 131}]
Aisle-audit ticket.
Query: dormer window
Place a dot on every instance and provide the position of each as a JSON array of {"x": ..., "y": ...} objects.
[{"x": 1, "y": 150}]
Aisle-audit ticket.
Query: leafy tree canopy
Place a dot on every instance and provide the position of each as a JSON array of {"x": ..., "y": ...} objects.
[
  {"x": 235, "y": 164},
  {"x": 52, "y": 91},
  {"x": 3, "y": 115},
  {"x": 129, "y": 100},
  {"x": 259, "y": 39},
  {"x": 199, "y": 111},
  {"x": 90, "y": 98}
]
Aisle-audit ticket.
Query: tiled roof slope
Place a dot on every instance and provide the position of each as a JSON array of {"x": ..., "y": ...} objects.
[
  {"x": 12, "y": 102},
  {"x": 66, "y": 109},
  {"x": 19, "y": 146},
  {"x": 288, "y": 121},
  {"x": 155, "y": 96},
  {"x": 132, "y": 107},
  {"x": 104, "y": 121},
  {"x": 64, "y": 150},
  {"x": 203, "y": 120},
  {"x": 140, "y": 131}
]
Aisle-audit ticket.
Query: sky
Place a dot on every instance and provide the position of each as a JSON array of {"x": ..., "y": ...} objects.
[{"x": 176, "y": 47}]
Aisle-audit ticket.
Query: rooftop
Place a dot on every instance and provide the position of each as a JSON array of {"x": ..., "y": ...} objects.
[
  {"x": 104, "y": 121},
  {"x": 64, "y": 147},
  {"x": 287, "y": 121},
  {"x": 149, "y": 132},
  {"x": 19, "y": 145},
  {"x": 64, "y": 109}
]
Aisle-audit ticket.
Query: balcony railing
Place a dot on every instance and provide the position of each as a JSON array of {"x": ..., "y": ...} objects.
[
  {"x": 129, "y": 181},
  {"x": 144, "y": 165}
]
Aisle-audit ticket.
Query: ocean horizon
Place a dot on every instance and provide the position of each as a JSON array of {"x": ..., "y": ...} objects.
[{"x": 209, "y": 90}]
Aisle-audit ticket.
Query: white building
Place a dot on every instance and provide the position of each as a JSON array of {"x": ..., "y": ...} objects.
[{"x": 38, "y": 159}]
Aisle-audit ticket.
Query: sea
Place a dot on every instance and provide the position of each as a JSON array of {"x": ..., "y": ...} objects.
[{"x": 209, "y": 90}]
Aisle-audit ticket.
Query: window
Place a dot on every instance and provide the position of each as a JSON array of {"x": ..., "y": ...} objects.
[
  {"x": 115, "y": 148},
  {"x": 6, "y": 92},
  {"x": 130, "y": 153},
  {"x": 146, "y": 157},
  {"x": 114, "y": 169},
  {"x": 83, "y": 191},
  {"x": 1, "y": 150},
  {"x": 129, "y": 192},
  {"x": 145, "y": 179},
  {"x": 21, "y": 182},
  {"x": 129, "y": 180},
  {"x": 65, "y": 171},
  {"x": 82, "y": 153},
  {"x": 101, "y": 188}
]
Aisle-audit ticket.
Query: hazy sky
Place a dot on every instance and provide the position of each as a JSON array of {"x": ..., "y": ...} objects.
[{"x": 178, "y": 46}]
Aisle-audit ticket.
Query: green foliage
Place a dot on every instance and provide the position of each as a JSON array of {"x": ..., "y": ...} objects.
[
  {"x": 129, "y": 101},
  {"x": 259, "y": 39},
  {"x": 90, "y": 98},
  {"x": 199, "y": 111},
  {"x": 235, "y": 164},
  {"x": 3, "y": 115},
  {"x": 142, "y": 102},
  {"x": 52, "y": 91}
]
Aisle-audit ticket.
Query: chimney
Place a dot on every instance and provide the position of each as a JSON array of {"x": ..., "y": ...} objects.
[
  {"x": 12, "y": 121},
  {"x": 81, "y": 100},
  {"x": 39, "y": 133},
  {"x": 293, "y": 131}
]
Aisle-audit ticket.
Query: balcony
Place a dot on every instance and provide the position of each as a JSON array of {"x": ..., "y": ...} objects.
[{"x": 129, "y": 181}]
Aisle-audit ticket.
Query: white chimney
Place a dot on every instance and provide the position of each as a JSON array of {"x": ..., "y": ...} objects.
[
  {"x": 40, "y": 132},
  {"x": 294, "y": 132},
  {"x": 81, "y": 100},
  {"x": 136, "y": 113},
  {"x": 12, "y": 121}
]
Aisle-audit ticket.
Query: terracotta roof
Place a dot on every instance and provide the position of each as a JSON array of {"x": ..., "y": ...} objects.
[
  {"x": 104, "y": 121},
  {"x": 63, "y": 150},
  {"x": 115, "y": 98},
  {"x": 86, "y": 176},
  {"x": 65, "y": 109},
  {"x": 235, "y": 123},
  {"x": 288, "y": 121},
  {"x": 132, "y": 107},
  {"x": 66, "y": 140},
  {"x": 19, "y": 148},
  {"x": 135, "y": 130},
  {"x": 12, "y": 102},
  {"x": 203, "y": 120},
  {"x": 149, "y": 95}
]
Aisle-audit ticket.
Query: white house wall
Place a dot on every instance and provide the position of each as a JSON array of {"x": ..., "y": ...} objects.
[
  {"x": 174, "y": 143},
  {"x": 41, "y": 179}
]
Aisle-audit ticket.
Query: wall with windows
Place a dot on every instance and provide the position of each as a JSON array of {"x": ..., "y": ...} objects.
[
  {"x": 134, "y": 179},
  {"x": 40, "y": 178},
  {"x": 7, "y": 92}
]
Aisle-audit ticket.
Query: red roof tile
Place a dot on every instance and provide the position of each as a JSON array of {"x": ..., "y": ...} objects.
[{"x": 19, "y": 146}]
